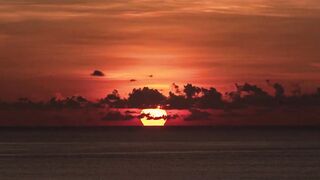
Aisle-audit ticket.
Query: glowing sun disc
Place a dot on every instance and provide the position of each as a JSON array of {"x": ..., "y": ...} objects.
[{"x": 153, "y": 117}]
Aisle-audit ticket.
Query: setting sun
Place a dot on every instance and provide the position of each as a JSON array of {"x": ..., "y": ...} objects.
[{"x": 153, "y": 117}]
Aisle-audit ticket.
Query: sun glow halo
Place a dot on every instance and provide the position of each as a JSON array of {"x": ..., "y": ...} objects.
[{"x": 153, "y": 117}]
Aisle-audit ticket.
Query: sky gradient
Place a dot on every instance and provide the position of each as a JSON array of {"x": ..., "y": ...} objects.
[{"x": 50, "y": 48}]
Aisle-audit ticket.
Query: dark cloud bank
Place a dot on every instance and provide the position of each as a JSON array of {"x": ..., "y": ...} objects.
[
  {"x": 190, "y": 96},
  {"x": 247, "y": 104}
]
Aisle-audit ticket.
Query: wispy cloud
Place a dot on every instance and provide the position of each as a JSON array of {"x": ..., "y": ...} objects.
[{"x": 19, "y": 10}]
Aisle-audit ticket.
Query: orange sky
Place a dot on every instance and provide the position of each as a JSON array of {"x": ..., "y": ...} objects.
[{"x": 51, "y": 47}]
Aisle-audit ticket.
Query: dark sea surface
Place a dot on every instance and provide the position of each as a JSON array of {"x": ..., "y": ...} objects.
[{"x": 160, "y": 153}]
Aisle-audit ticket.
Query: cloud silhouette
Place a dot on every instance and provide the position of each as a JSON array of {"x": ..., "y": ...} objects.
[
  {"x": 279, "y": 89},
  {"x": 176, "y": 88},
  {"x": 197, "y": 115},
  {"x": 116, "y": 116},
  {"x": 133, "y": 80},
  {"x": 150, "y": 117},
  {"x": 97, "y": 73},
  {"x": 253, "y": 89}
]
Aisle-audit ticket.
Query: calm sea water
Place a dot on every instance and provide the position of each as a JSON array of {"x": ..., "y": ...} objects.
[{"x": 160, "y": 153}]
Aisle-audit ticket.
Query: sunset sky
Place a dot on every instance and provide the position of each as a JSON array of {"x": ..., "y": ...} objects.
[{"x": 50, "y": 47}]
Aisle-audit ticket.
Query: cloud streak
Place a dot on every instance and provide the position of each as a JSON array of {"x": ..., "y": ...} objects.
[{"x": 141, "y": 9}]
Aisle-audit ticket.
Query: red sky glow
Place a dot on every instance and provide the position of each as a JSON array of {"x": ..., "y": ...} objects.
[{"x": 49, "y": 47}]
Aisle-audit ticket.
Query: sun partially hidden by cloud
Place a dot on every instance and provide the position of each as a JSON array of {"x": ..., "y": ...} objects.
[
  {"x": 56, "y": 43},
  {"x": 153, "y": 117}
]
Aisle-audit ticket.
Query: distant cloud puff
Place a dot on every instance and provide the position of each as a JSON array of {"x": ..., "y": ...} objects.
[
  {"x": 133, "y": 80},
  {"x": 97, "y": 73}
]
